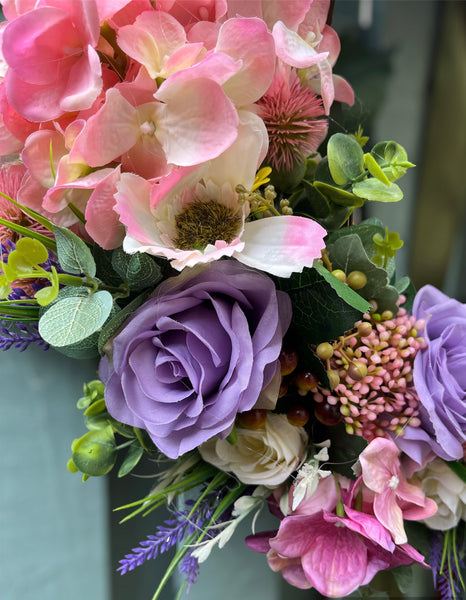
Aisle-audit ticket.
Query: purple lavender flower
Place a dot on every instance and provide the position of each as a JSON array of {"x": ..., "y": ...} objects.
[
  {"x": 20, "y": 335},
  {"x": 199, "y": 351},
  {"x": 440, "y": 379}
]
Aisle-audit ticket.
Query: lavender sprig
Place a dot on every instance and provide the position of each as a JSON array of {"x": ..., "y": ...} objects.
[
  {"x": 19, "y": 335},
  {"x": 168, "y": 535},
  {"x": 447, "y": 561}
]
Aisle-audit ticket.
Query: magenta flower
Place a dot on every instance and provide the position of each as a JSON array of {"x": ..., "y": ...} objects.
[
  {"x": 440, "y": 379},
  {"x": 199, "y": 351},
  {"x": 335, "y": 554}
]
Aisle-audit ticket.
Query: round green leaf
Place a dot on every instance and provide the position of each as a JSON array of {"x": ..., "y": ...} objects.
[
  {"x": 32, "y": 251},
  {"x": 345, "y": 158},
  {"x": 373, "y": 189},
  {"x": 71, "y": 320}
]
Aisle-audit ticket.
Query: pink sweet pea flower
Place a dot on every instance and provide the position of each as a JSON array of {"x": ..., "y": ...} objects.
[
  {"x": 158, "y": 42},
  {"x": 394, "y": 498},
  {"x": 188, "y": 12},
  {"x": 53, "y": 65}
]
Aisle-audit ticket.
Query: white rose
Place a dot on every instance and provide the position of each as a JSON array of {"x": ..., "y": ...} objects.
[
  {"x": 449, "y": 492},
  {"x": 265, "y": 456}
]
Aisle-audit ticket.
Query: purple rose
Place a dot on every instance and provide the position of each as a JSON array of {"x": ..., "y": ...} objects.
[
  {"x": 200, "y": 350},
  {"x": 439, "y": 379}
]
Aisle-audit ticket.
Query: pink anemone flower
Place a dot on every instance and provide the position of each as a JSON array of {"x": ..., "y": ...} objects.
[{"x": 194, "y": 214}]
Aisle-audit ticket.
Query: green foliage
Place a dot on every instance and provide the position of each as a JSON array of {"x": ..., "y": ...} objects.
[
  {"x": 71, "y": 320},
  {"x": 96, "y": 452},
  {"x": 139, "y": 270},
  {"x": 385, "y": 247},
  {"x": 323, "y": 307},
  {"x": 347, "y": 253},
  {"x": 347, "y": 178},
  {"x": 73, "y": 254},
  {"x": 345, "y": 158}
]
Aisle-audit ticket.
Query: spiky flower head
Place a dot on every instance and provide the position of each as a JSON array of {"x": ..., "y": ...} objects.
[
  {"x": 375, "y": 393},
  {"x": 294, "y": 117},
  {"x": 11, "y": 177}
]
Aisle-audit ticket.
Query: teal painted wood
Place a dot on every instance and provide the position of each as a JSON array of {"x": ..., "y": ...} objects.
[{"x": 53, "y": 527}]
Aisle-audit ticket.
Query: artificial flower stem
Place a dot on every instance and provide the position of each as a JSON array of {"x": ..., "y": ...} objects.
[{"x": 340, "y": 509}]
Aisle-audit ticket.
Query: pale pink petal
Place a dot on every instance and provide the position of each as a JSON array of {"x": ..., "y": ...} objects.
[
  {"x": 14, "y": 8},
  {"x": 282, "y": 245},
  {"x": 204, "y": 32},
  {"x": 17, "y": 125},
  {"x": 107, "y": 8},
  {"x": 184, "y": 57},
  {"x": 102, "y": 222},
  {"x": 76, "y": 192},
  {"x": 146, "y": 158},
  {"x": 188, "y": 12},
  {"x": 175, "y": 182},
  {"x": 52, "y": 29},
  {"x": 244, "y": 8},
  {"x": 293, "y": 50},
  {"x": 388, "y": 512},
  {"x": 151, "y": 39},
  {"x": 343, "y": 91},
  {"x": 197, "y": 122},
  {"x": 295, "y": 576},
  {"x": 330, "y": 43},
  {"x": 291, "y": 13},
  {"x": 38, "y": 148},
  {"x": 8, "y": 143},
  {"x": 84, "y": 82},
  {"x": 115, "y": 126},
  {"x": 315, "y": 18},
  {"x": 215, "y": 65},
  {"x": 256, "y": 74},
  {"x": 379, "y": 462},
  {"x": 210, "y": 253},
  {"x": 132, "y": 203}
]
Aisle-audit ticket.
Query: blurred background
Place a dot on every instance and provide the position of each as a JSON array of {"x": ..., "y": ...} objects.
[{"x": 58, "y": 537}]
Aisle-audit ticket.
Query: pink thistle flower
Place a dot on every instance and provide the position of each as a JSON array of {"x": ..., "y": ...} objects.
[
  {"x": 376, "y": 394},
  {"x": 292, "y": 114},
  {"x": 11, "y": 177}
]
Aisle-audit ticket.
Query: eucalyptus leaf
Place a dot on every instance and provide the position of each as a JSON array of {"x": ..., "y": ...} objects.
[
  {"x": 345, "y": 158},
  {"x": 131, "y": 459},
  {"x": 73, "y": 253},
  {"x": 71, "y": 320},
  {"x": 337, "y": 195},
  {"x": 139, "y": 270},
  {"x": 323, "y": 307},
  {"x": 373, "y": 189}
]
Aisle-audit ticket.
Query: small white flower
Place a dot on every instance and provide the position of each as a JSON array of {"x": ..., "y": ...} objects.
[
  {"x": 447, "y": 490},
  {"x": 265, "y": 456},
  {"x": 307, "y": 478}
]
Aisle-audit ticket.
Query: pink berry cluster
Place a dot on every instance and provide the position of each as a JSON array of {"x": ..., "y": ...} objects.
[{"x": 370, "y": 371}]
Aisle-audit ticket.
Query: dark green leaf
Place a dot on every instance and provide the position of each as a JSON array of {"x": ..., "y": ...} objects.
[
  {"x": 347, "y": 253},
  {"x": 139, "y": 270},
  {"x": 337, "y": 195},
  {"x": 459, "y": 469},
  {"x": 131, "y": 459},
  {"x": 322, "y": 309}
]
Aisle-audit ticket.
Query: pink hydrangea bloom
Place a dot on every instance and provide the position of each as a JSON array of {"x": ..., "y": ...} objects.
[{"x": 60, "y": 72}]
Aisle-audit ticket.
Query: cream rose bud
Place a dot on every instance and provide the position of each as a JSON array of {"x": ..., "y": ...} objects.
[
  {"x": 449, "y": 492},
  {"x": 266, "y": 456}
]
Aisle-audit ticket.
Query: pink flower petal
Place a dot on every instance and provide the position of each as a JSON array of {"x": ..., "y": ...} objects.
[
  {"x": 293, "y": 50},
  {"x": 102, "y": 222},
  {"x": 256, "y": 74},
  {"x": 282, "y": 245},
  {"x": 197, "y": 122}
]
